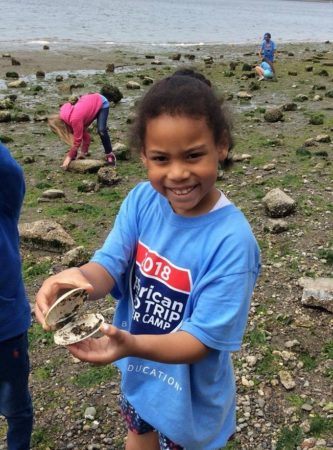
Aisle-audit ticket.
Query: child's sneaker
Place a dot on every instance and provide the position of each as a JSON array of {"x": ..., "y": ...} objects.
[{"x": 111, "y": 159}]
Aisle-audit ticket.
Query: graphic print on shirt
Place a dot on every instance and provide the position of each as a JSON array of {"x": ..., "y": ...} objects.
[{"x": 159, "y": 292}]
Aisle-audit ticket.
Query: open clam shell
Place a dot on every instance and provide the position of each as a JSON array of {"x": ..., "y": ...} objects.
[
  {"x": 70, "y": 324},
  {"x": 82, "y": 328},
  {"x": 65, "y": 308}
]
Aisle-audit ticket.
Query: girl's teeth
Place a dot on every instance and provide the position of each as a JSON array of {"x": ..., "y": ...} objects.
[{"x": 182, "y": 191}]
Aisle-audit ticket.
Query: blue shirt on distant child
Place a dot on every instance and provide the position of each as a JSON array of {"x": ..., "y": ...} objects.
[{"x": 268, "y": 48}]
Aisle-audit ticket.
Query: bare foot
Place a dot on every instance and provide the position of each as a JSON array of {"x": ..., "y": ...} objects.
[{"x": 66, "y": 162}]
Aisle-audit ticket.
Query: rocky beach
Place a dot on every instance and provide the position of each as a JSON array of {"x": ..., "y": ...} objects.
[{"x": 281, "y": 179}]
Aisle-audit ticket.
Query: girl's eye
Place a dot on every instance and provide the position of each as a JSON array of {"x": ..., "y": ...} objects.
[
  {"x": 159, "y": 158},
  {"x": 195, "y": 155}
]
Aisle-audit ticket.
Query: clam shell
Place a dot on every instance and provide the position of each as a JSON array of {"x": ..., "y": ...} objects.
[
  {"x": 65, "y": 307},
  {"x": 78, "y": 330}
]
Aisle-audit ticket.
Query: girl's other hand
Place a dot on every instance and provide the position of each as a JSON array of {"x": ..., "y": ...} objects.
[
  {"x": 114, "y": 345},
  {"x": 54, "y": 287}
]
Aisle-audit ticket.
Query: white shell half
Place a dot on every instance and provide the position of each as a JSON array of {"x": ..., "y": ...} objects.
[
  {"x": 66, "y": 306},
  {"x": 78, "y": 330}
]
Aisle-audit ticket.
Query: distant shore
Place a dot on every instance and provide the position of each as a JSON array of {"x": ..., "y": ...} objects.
[{"x": 96, "y": 57}]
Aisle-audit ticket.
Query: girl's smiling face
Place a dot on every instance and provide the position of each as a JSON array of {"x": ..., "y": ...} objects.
[{"x": 182, "y": 160}]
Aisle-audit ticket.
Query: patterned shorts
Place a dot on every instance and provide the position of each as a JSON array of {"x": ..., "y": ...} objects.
[{"x": 139, "y": 426}]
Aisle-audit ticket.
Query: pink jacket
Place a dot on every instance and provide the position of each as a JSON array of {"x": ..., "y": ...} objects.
[{"x": 79, "y": 117}]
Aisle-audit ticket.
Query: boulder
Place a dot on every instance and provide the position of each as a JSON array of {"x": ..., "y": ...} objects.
[
  {"x": 276, "y": 226},
  {"x": 243, "y": 95},
  {"x": 133, "y": 85},
  {"x": 53, "y": 194},
  {"x": 45, "y": 235},
  {"x": 147, "y": 80},
  {"x": 291, "y": 106},
  {"x": 5, "y": 116},
  {"x": 86, "y": 165},
  {"x": 278, "y": 204},
  {"x": 112, "y": 93},
  {"x": 108, "y": 176},
  {"x": 13, "y": 75},
  {"x": 40, "y": 74},
  {"x": 110, "y": 68},
  {"x": 301, "y": 98},
  {"x": 323, "y": 138},
  {"x": 243, "y": 157},
  {"x": 317, "y": 292},
  {"x": 273, "y": 115},
  {"x": 17, "y": 84},
  {"x": 75, "y": 257},
  {"x": 122, "y": 151},
  {"x": 6, "y": 103}
]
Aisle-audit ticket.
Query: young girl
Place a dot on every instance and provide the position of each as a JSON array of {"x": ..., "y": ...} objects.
[
  {"x": 182, "y": 262},
  {"x": 72, "y": 123},
  {"x": 264, "y": 71}
]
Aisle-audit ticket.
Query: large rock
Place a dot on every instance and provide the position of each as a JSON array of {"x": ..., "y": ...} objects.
[
  {"x": 121, "y": 151},
  {"x": 278, "y": 204},
  {"x": 86, "y": 165},
  {"x": 317, "y": 292},
  {"x": 75, "y": 257},
  {"x": 5, "y": 116},
  {"x": 45, "y": 235},
  {"x": 133, "y": 85},
  {"x": 108, "y": 176},
  {"x": 53, "y": 194},
  {"x": 243, "y": 95},
  {"x": 17, "y": 84},
  {"x": 273, "y": 115}
]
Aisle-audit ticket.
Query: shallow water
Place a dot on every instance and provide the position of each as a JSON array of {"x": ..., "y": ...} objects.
[{"x": 161, "y": 22}]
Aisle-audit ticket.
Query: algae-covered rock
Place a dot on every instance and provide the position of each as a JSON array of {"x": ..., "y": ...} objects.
[
  {"x": 316, "y": 119},
  {"x": 122, "y": 151},
  {"x": 108, "y": 176},
  {"x": 6, "y": 103},
  {"x": 76, "y": 257},
  {"x": 86, "y": 165},
  {"x": 273, "y": 115},
  {"x": 5, "y": 116},
  {"x": 133, "y": 85},
  {"x": 301, "y": 98},
  {"x": 112, "y": 93},
  {"x": 13, "y": 75},
  {"x": 17, "y": 84},
  {"x": 45, "y": 235}
]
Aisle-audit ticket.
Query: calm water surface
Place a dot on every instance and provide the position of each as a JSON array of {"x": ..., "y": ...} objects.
[{"x": 163, "y": 22}]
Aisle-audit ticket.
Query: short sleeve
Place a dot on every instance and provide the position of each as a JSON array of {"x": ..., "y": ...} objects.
[
  {"x": 220, "y": 314},
  {"x": 119, "y": 247}
]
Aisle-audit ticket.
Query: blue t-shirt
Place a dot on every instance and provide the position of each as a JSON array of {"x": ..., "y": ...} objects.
[
  {"x": 268, "y": 50},
  {"x": 267, "y": 68},
  {"x": 105, "y": 101},
  {"x": 172, "y": 273},
  {"x": 14, "y": 306}
]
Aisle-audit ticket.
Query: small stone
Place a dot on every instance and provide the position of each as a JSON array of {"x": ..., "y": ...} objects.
[
  {"x": 90, "y": 413},
  {"x": 286, "y": 380}
]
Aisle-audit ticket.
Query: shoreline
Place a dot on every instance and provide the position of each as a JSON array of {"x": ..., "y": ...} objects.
[{"x": 96, "y": 57}]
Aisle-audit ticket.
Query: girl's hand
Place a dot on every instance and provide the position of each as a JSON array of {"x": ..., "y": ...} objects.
[
  {"x": 54, "y": 287},
  {"x": 114, "y": 345}
]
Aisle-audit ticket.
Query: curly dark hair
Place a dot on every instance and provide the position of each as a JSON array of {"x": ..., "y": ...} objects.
[{"x": 183, "y": 94}]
